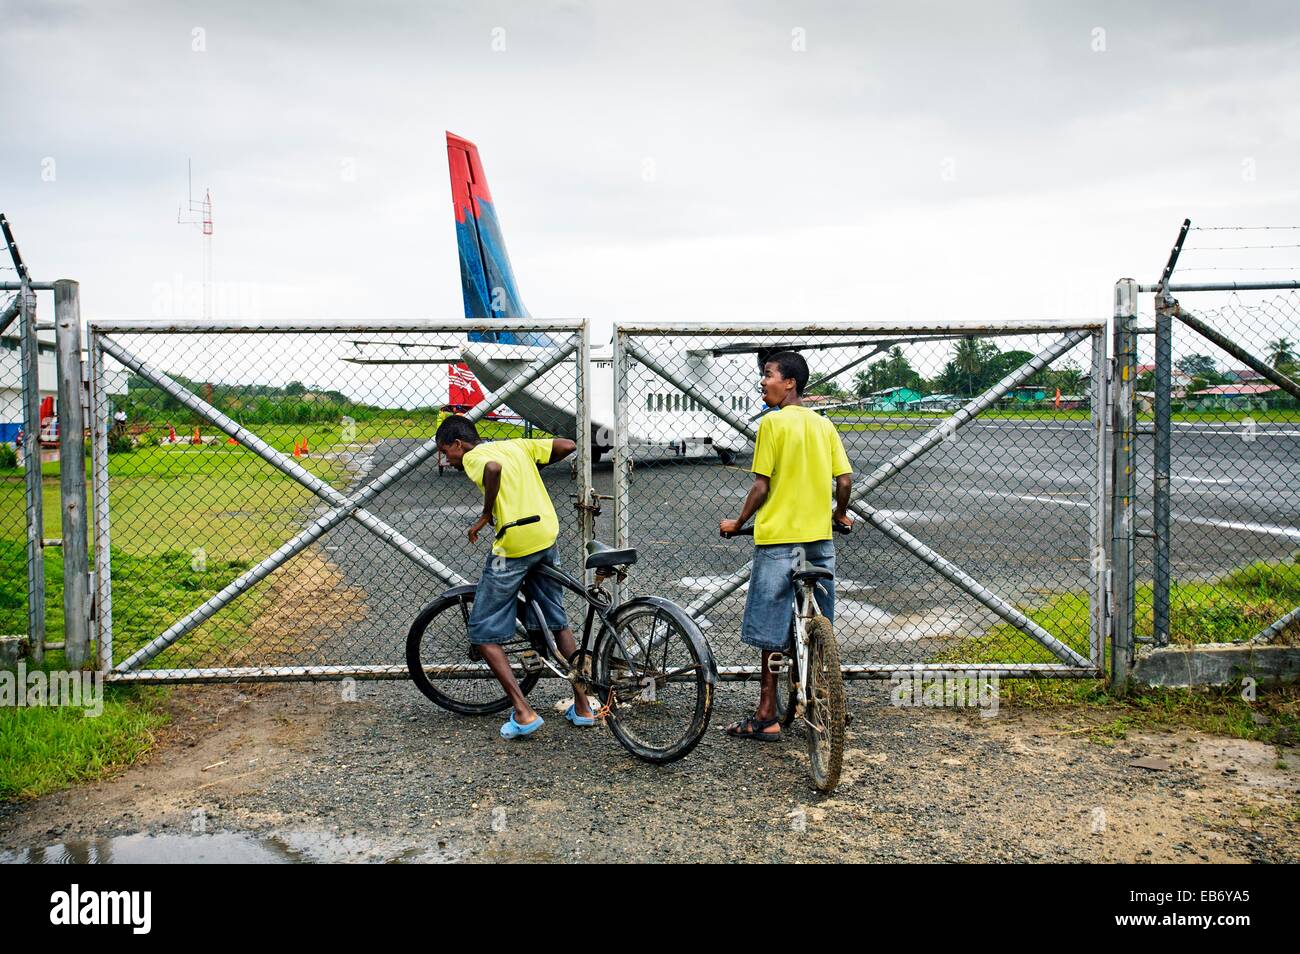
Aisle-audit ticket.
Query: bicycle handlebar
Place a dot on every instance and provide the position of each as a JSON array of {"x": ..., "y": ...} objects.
[
  {"x": 522, "y": 521},
  {"x": 749, "y": 531}
]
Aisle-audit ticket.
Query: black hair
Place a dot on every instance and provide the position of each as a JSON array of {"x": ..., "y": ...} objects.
[
  {"x": 456, "y": 428},
  {"x": 791, "y": 365}
]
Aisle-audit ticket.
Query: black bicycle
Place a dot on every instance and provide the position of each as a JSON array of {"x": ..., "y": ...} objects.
[{"x": 649, "y": 665}]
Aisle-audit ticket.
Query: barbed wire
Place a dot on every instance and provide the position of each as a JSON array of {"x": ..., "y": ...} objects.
[
  {"x": 1240, "y": 268},
  {"x": 1236, "y": 248}
]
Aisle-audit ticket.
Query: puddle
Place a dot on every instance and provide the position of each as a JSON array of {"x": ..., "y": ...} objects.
[
  {"x": 225, "y": 847},
  {"x": 856, "y": 613}
]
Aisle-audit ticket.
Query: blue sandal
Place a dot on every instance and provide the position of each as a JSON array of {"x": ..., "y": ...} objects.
[
  {"x": 571, "y": 714},
  {"x": 513, "y": 730}
]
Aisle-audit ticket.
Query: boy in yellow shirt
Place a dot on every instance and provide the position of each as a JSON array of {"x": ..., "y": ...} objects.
[
  {"x": 796, "y": 454},
  {"x": 507, "y": 473}
]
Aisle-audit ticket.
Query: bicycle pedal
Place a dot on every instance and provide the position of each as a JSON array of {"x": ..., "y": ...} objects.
[
  {"x": 531, "y": 660},
  {"x": 778, "y": 663}
]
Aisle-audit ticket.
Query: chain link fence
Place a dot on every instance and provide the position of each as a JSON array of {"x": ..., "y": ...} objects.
[
  {"x": 979, "y": 475},
  {"x": 1218, "y": 516},
  {"x": 13, "y": 515},
  {"x": 269, "y": 501}
]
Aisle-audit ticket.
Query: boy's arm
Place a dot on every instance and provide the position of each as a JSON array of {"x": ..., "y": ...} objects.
[
  {"x": 491, "y": 487},
  {"x": 763, "y": 464},
  {"x": 753, "y": 500},
  {"x": 843, "y": 487},
  {"x": 843, "y": 472},
  {"x": 561, "y": 447}
]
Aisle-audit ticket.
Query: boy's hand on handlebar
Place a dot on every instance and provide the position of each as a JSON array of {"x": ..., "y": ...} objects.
[
  {"x": 478, "y": 525},
  {"x": 728, "y": 527}
]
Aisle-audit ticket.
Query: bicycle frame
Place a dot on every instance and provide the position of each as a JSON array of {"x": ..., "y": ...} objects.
[
  {"x": 805, "y": 608},
  {"x": 599, "y": 604},
  {"x": 596, "y": 608}
]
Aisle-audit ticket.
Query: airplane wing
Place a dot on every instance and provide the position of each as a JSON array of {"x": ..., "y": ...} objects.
[{"x": 771, "y": 347}]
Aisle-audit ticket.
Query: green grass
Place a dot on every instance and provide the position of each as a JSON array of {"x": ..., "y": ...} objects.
[
  {"x": 46, "y": 748},
  {"x": 166, "y": 502},
  {"x": 1235, "y": 607}
]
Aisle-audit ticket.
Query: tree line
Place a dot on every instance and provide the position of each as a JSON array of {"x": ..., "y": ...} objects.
[{"x": 973, "y": 366}]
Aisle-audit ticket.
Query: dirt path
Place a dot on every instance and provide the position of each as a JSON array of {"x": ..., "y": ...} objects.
[{"x": 393, "y": 773}]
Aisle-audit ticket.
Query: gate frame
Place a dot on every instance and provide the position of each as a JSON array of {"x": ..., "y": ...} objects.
[
  {"x": 626, "y": 349},
  {"x": 1167, "y": 309},
  {"x": 102, "y": 335}
]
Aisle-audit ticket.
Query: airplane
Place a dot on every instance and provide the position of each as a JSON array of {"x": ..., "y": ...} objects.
[{"x": 661, "y": 415}]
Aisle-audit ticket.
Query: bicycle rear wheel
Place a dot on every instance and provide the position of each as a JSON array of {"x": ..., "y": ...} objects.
[
  {"x": 446, "y": 667},
  {"x": 825, "y": 715},
  {"x": 655, "y": 679}
]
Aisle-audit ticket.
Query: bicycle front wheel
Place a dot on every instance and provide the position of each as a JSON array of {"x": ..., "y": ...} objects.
[
  {"x": 825, "y": 713},
  {"x": 655, "y": 678}
]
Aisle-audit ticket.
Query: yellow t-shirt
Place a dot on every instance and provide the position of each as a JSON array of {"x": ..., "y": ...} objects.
[
  {"x": 522, "y": 493},
  {"x": 800, "y": 452}
]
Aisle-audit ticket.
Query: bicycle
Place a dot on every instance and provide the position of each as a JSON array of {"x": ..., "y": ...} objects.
[
  {"x": 815, "y": 690},
  {"x": 650, "y": 665}
]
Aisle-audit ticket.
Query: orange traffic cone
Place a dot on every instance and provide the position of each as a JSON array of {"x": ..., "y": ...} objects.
[
  {"x": 171, "y": 434},
  {"x": 196, "y": 439},
  {"x": 304, "y": 447},
  {"x": 297, "y": 448},
  {"x": 231, "y": 440}
]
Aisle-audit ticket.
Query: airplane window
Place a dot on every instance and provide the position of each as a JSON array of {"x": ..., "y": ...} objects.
[
  {"x": 649, "y": 402},
  {"x": 659, "y": 400}
]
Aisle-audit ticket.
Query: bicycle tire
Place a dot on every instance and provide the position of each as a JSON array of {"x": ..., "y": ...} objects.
[
  {"x": 629, "y": 717},
  {"x": 454, "y": 630},
  {"x": 787, "y": 699},
  {"x": 825, "y": 704}
]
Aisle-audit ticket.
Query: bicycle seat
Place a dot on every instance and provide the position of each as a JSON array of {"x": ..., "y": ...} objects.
[
  {"x": 600, "y": 556},
  {"x": 811, "y": 574}
]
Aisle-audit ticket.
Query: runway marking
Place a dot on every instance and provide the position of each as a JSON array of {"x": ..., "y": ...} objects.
[
  {"x": 1290, "y": 533},
  {"x": 1276, "y": 530},
  {"x": 1262, "y": 429}
]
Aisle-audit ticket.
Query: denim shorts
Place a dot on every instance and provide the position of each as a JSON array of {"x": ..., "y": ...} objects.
[
  {"x": 492, "y": 618},
  {"x": 769, "y": 605}
]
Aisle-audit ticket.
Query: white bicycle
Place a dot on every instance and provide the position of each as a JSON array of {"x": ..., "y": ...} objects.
[{"x": 814, "y": 691}]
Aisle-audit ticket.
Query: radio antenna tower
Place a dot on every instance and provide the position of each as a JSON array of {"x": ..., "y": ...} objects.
[{"x": 199, "y": 212}]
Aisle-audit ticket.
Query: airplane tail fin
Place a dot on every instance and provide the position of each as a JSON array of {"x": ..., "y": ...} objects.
[{"x": 487, "y": 281}]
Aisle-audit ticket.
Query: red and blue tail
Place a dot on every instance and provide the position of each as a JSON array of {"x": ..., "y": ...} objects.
[{"x": 486, "y": 279}]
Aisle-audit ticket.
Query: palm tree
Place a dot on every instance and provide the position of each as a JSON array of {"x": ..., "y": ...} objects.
[
  {"x": 1281, "y": 352},
  {"x": 970, "y": 356}
]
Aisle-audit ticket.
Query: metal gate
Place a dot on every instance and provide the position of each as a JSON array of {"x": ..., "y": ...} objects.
[
  {"x": 1218, "y": 383},
  {"x": 979, "y": 452},
  {"x": 268, "y": 499}
]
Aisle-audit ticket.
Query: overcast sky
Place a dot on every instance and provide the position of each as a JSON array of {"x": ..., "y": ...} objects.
[{"x": 649, "y": 160}]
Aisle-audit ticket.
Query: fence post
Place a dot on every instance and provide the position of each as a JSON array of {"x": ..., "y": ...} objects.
[
  {"x": 1122, "y": 484},
  {"x": 31, "y": 359},
  {"x": 103, "y": 595},
  {"x": 583, "y": 436},
  {"x": 72, "y": 474},
  {"x": 622, "y": 456},
  {"x": 1163, "y": 432}
]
